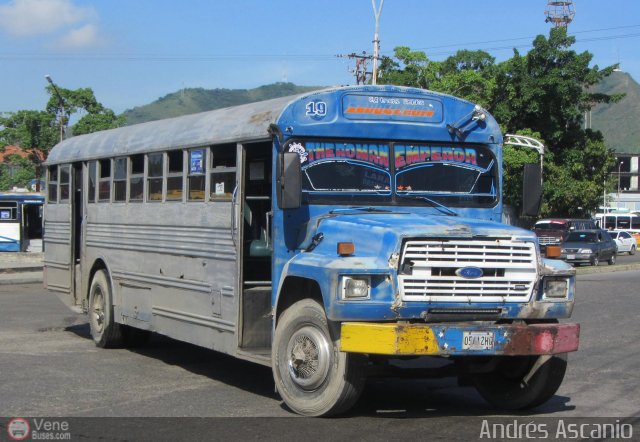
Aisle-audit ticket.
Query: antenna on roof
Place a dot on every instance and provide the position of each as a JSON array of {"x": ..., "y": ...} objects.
[{"x": 560, "y": 13}]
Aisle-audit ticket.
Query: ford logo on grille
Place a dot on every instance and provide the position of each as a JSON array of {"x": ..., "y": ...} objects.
[{"x": 469, "y": 272}]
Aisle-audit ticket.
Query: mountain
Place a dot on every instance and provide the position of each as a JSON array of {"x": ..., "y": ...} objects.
[
  {"x": 619, "y": 122},
  {"x": 189, "y": 101}
]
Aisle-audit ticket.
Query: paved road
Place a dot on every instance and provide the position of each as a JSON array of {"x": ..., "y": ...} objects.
[{"x": 50, "y": 367}]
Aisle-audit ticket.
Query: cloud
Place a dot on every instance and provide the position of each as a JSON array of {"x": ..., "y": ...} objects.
[
  {"x": 26, "y": 18},
  {"x": 83, "y": 37}
]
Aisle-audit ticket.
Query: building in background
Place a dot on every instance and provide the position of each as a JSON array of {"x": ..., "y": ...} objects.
[{"x": 626, "y": 192}]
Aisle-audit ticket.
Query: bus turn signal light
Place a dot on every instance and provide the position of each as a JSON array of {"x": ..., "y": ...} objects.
[
  {"x": 346, "y": 248},
  {"x": 553, "y": 251}
]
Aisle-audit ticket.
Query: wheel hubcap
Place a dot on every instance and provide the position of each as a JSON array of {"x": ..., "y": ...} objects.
[
  {"x": 98, "y": 310},
  {"x": 309, "y": 357}
]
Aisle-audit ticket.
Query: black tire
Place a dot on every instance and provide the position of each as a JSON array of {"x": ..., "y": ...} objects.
[
  {"x": 106, "y": 333},
  {"x": 595, "y": 260},
  {"x": 504, "y": 389},
  {"x": 312, "y": 376},
  {"x": 611, "y": 261},
  {"x": 633, "y": 250}
]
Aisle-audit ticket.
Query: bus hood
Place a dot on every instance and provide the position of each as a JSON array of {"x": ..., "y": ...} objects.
[{"x": 373, "y": 229}]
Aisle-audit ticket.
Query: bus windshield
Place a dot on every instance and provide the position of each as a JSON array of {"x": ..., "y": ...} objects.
[{"x": 375, "y": 173}]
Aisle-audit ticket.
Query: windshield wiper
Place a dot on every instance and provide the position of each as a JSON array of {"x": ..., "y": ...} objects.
[
  {"x": 360, "y": 208},
  {"x": 441, "y": 207}
]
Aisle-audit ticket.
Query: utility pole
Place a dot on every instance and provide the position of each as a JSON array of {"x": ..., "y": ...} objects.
[
  {"x": 376, "y": 41},
  {"x": 361, "y": 73},
  {"x": 361, "y": 66}
]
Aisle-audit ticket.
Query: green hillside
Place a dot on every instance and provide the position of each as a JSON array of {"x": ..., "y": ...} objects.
[
  {"x": 189, "y": 101},
  {"x": 619, "y": 122}
]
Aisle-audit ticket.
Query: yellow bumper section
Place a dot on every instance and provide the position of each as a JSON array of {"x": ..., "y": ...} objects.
[{"x": 388, "y": 339}]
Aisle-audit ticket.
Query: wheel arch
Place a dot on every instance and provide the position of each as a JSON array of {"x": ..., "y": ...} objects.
[
  {"x": 294, "y": 289},
  {"x": 98, "y": 264}
]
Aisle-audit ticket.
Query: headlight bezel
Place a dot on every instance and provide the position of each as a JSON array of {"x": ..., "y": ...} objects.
[
  {"x": 355, "y": 287},
  {"x": 555, "y": 289}
]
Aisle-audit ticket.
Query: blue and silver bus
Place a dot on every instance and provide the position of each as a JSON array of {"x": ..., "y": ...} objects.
[
  {"x": 323, "y": 235},
  {"x": 21, "y": 222}
]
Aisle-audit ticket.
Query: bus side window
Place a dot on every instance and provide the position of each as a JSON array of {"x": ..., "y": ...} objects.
[
  {"x": 624, "y": 222},
  {"x": 92, "y": 167},
  {"x": 136, "y": 178},
  {"x": 65, "y": 182},
  {"x": 8, "y": 211},
  {"x": 154, "y": 176},
  {"x": 196, "y": 175},
  {"x": 223, "y": 171},
  {"x": 52, "y": 195},
  {"x": 104, "y": 182},
  {"x": 610, "y": 222},
  {"x": 175, "y": 175},
  {"x": 120, "y": 179}
]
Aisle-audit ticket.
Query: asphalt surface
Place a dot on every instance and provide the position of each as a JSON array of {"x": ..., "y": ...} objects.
[{"x": 50, "y": 367}]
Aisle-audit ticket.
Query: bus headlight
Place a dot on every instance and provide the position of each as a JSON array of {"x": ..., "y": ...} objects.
[
  {"x": 556, "y": 288},
  {"x": 356, "y": 287}
]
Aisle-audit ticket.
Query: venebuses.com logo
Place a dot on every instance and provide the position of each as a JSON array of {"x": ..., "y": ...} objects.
[
  {"x": 18, "y": 428},
  {"x": 38, "y": 428}
]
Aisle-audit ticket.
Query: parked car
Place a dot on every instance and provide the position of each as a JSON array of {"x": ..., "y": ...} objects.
[
  {"x": 553, "y": 231},
  {"x": 589, "y": 247},
  {"x": 625, "y": 241}
]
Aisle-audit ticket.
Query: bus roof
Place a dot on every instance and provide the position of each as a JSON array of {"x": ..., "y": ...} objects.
[
  {"x": 28, "y": 197},
  {"x": 250, "y": 122}
]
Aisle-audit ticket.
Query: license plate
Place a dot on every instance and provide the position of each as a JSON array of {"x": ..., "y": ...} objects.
[
  {"x": 478, "y": 340},
  {"x": 571, "y": 256}
]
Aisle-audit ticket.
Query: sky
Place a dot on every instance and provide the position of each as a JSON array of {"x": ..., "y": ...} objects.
[{"x": 132, "y": 52}]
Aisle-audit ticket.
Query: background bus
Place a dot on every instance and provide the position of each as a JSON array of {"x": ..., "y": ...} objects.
[
  {"x": 21, "y": 222},
  {"x": 628, "y": 221}
]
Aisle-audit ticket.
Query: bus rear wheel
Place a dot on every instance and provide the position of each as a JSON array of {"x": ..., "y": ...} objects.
[
  {"x": 506, "y": 387},
  {"x": 106, "y": 333},
  {"x": 312, "y": 375}
]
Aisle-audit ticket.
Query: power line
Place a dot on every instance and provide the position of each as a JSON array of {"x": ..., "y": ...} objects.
[
  {"x": 530, "y": 38},
  {"x": 298, "y": 57}
]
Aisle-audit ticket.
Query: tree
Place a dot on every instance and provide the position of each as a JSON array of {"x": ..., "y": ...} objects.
[
  {"x": 545, "y": 92},
  {"x": 36, "y": 132},
  {"x": 93, "y": 116},
  {"x": 16, "y": 171}
]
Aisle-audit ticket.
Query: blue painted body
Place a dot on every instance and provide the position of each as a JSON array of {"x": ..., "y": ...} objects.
[
  {"x": 378, "y": 231},
  {"x": 9, "y": 244}
]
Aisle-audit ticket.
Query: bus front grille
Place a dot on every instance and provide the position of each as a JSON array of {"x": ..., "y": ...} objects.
[{"x": 502, "y": 270}]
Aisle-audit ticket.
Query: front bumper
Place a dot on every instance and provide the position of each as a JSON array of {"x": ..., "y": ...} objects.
[
  {"x": 577, "y": 258},
  {"x": 447, "y": 339}
]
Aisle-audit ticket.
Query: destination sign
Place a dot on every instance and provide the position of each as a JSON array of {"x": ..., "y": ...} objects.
[{"x": 380, "y": 107}]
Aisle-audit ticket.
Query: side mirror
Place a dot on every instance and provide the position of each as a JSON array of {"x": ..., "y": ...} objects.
[
  {"x": 531, "y": 190},
  {"x": 289, "y": 182}
]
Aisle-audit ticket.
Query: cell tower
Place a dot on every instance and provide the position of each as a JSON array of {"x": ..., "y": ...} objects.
[{"x": 560, "y": 13}]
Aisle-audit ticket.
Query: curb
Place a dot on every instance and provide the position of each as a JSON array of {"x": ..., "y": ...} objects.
[
  {"x": 607, "y": 268},
  {"x": 25, "y": 278}
]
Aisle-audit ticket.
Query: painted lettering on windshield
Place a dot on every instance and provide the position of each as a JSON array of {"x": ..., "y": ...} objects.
[
  {"x": 406, "y": 156},
  {"x": 374, "y": 154}
]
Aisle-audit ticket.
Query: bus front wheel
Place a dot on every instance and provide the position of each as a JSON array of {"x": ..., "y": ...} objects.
[
  {"x": 312, "y": 375},
  {"x": 105, "y": 331}
]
